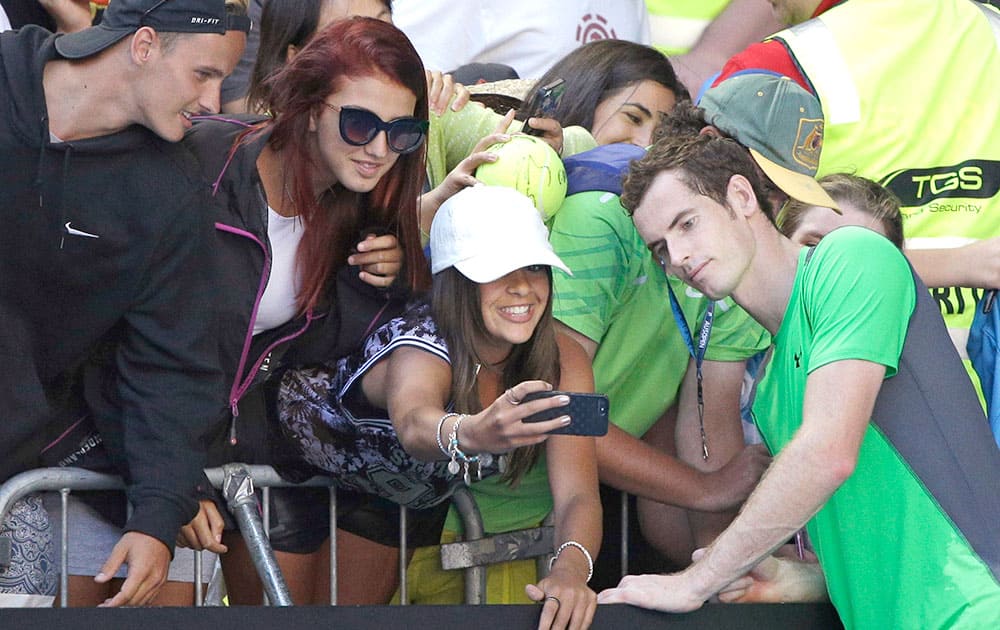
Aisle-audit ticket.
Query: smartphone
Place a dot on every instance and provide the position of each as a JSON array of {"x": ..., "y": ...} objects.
[
  {"x": 588, "y": 413},
  {"x": 550, "y": 96}
]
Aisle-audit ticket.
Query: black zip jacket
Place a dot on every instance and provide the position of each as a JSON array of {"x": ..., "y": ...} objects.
[
  {"x": 104, "y": 295},
  {"x": 350, "y": 310}
]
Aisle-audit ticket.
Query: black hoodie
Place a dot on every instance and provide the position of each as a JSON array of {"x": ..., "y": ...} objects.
[{"x": 105, "y": 298}]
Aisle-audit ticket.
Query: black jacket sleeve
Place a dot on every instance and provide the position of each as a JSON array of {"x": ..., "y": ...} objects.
[{"x": 165, "y": 390}]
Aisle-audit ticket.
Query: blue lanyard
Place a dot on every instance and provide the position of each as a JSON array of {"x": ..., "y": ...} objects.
[{"x": 698, "y": 353}]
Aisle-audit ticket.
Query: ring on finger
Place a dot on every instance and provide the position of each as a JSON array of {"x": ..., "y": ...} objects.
[
  {"x": 555, "y": 599},
  {"x": 509, "y": 395}
]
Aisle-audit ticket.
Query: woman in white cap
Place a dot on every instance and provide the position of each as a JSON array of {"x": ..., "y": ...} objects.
[{"x": 437, "y": 395}]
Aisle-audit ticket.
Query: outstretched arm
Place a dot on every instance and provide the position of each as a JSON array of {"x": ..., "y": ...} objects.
[
  {"x": 974, "y": 265},
  {"x": 414, "y": 386},
  {"x": 740, "y": 24},
  {"x": 722, "y": 483},
  {"x": 838, "y": 403}
]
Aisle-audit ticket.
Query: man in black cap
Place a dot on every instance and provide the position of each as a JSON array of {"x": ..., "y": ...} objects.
[{"x": 103, "y": 258}]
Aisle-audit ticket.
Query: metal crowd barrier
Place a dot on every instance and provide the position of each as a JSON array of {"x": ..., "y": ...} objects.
[{"x": 237, "y": 481}]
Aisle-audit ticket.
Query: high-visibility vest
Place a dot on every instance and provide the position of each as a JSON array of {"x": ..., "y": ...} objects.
[
  {"x": 911, "y": 98},
  {"x": 675, "y": 25}
]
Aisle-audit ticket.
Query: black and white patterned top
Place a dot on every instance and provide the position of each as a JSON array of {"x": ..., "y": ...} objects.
[{"x": 324, "y": 413}]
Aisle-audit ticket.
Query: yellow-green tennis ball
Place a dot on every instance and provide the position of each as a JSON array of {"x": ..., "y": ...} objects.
[{"x": 530, "y": 166}]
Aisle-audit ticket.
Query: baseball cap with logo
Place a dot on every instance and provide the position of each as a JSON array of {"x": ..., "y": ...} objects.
[
  {"x": 487, "y": 232},
  {"x": 124, "y": 17},
  {"x": 780, "y": 123}
]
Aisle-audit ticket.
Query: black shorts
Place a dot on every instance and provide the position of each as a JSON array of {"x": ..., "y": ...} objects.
[{"x": 300, "y": 520}]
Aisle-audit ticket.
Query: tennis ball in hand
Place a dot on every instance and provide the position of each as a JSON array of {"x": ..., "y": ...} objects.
[{"x": 530, "y": 166}]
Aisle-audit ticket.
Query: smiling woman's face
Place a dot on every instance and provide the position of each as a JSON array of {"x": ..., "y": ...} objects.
[
  {"x": 357, "y": 168},
  {"x": 630, "y": 114},
  {"x": 512, "y": 307}
]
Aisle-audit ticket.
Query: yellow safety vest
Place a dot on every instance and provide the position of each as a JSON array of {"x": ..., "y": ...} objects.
[
  {"x": 911, "y": 98},
  {"x": 675, "y": 25}
]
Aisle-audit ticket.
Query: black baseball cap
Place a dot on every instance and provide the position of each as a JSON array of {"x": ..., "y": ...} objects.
[{"x": 124, "y": 17}]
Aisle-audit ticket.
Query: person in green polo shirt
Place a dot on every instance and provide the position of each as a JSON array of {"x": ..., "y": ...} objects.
[{"x": 880, "y": 444}]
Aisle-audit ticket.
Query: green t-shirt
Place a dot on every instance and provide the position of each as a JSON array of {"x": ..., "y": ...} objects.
[
  {"x": 891, "y": 558},
  {"x": 617, "y": 296}
]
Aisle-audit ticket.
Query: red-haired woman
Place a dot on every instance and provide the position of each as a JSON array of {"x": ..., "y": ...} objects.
[{"x": 316, "y": 216}]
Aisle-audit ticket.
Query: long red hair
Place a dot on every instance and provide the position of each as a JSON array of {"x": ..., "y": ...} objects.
[{"x": 348, "y": 48}]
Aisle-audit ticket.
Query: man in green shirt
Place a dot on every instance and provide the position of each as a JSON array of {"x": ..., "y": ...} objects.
[{"x": 883, "y": 452}]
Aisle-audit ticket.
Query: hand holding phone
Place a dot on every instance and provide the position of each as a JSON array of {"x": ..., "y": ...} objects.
[
  {"x": 588, "y": 413},
  {"x": 550, "y": 95}
]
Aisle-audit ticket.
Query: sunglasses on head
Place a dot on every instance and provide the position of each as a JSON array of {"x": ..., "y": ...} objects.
[{"x": 359, "y": 126}]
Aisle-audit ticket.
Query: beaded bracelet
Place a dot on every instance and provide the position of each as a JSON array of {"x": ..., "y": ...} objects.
[
  {"x": 586, "y": 554},
  {"x": 437, "y": 434},
  {"x": 456, "y": 454}
]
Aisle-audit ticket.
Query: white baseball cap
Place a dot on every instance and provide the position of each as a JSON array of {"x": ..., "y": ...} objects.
[{"x": 487, "y": 232}]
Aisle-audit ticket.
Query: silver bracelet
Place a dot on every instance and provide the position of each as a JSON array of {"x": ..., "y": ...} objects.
[
  {"x": 586, "y": 554},
  {"x": 437, "y": 434}
]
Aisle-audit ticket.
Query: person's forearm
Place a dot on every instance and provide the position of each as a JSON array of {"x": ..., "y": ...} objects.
[
  {"x": 579, "y": 520},
  {"x": 794, "y": 488},
  {"x": 740, "y": 24},
  {"x": 427, "y": 207},
  {"x": 976, "y": 265},
  {"x": 937, "y": 267},
  {"x": 416, "y": 432},
  {"x": 628, "y": 464}
]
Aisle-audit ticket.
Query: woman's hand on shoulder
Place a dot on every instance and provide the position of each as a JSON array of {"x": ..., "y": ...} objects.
[
  {"x": 567, "y": 601},
  {"x": 501, "y": 428},
  {"x": 380, "y": 259}
]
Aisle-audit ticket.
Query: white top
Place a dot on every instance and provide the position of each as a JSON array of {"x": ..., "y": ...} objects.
[
  {"x": 4, "y": 22},
  {"x": 529, "y": 36},
  {"x": 277, "y": 306}
]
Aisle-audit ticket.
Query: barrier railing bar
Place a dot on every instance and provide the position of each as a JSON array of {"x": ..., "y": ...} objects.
[
  {"x": 64, "y": 549},
  {"x": 333, "y": 546},
  {"x": 265, "y": 477},
  {"x": 239, "y": 494},
  {"x": 199, "y": 596},
  {"x": 475, "y": 576},
  {"x": 624, "y": 526},
  {"x": 404, "y": 598}
]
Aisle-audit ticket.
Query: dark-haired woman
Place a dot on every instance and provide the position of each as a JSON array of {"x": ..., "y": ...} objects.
[
  {"x": 438, "y": 394},
  {"x": 614, "y": 92}
]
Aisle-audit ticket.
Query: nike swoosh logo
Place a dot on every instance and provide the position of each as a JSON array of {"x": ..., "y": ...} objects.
[{"x": 75, "y": 232}]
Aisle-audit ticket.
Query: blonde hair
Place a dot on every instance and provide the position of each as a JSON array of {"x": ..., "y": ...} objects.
[{"x": 862, "y": 193}]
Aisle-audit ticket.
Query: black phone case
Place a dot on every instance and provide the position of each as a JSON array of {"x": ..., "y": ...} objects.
[
  {"x": 589, "y": 413},
  {"x": 551, "y": 95}
]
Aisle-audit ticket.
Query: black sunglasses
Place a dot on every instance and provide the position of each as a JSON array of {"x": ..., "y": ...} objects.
[{"x": 359, "y": 126}]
